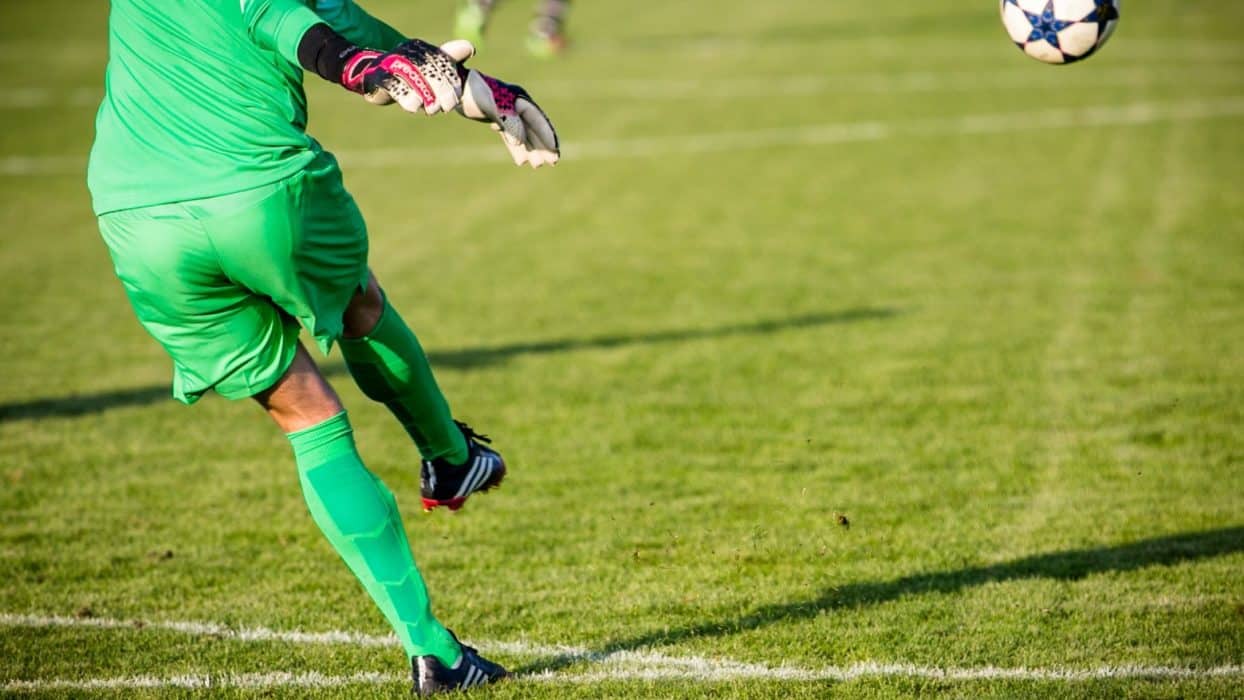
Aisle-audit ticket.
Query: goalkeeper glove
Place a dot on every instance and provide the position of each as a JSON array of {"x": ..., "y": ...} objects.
[
  {"x": 508, "y": 109},
  {"x": 415, "y": 74}
]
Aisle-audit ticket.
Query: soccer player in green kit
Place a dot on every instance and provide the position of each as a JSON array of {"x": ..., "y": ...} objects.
[{"x": 230, "y": 229}]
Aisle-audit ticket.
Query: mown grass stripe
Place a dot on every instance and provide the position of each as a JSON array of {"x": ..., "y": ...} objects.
[
  {"x": 1134, "y": 114},
  {"x": 208, "y": 629},
  {"x": 734, "y": 87},
  {"x": 276, "y": 679}
]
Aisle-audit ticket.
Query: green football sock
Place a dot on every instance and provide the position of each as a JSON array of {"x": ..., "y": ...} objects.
[
  {"x": 388, "y": 364},
  {"x": 359, "y": 516}
]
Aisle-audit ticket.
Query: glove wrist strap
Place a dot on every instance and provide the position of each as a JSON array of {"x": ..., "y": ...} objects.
[{"x": 333, "y": 57}]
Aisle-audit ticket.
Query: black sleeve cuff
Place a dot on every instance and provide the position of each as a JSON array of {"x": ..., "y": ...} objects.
[{"x": 325, "y": 52}]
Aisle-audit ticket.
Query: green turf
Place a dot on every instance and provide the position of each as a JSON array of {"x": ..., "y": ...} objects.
[{"x": 1010, "y": 360}]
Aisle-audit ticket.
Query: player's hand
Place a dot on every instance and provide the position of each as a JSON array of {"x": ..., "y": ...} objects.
[
  {"x": 417, "y": 75},
  {"x": 508, "y": 109}
]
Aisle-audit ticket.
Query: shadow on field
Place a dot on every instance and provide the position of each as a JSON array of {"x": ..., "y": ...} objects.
[
  {"x": 1068, "y": 566},
  {"x": 468, "y": 358},
  {"x": 464, "y": 358}
]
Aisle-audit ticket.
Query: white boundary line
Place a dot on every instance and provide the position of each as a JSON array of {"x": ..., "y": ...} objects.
[
  {"x": 623, "y": 665},
  {"x": 811, "y": 135},
  {"x": 282, "y": 679},
  {"x": 883, "y": 670}
]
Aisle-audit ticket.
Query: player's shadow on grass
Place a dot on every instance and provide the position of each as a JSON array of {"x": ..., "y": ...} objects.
[
  {"x": 1070, "y": 565},
  {"x": 468, "y": 358},
  {"x": 463, "y": 358}
]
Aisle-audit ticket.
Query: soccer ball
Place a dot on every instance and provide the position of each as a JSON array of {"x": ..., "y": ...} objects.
[{"x": 1060, "y": 31}]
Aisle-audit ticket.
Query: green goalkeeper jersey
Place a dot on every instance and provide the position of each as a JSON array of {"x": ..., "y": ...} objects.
[{"x": 204, "y": 97}]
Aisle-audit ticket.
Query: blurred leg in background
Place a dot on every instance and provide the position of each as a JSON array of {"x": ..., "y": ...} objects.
[
  {"x": 546, "y": 33},
  {"x": 472, "y": 20}
]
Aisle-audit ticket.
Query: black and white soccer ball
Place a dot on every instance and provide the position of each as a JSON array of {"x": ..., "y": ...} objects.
[{"x": 1060, "y": 31}]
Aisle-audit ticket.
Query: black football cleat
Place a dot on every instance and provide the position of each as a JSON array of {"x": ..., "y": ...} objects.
[
  {"x": 432, "y": 677},
  {"x": 445, "y": 484}
]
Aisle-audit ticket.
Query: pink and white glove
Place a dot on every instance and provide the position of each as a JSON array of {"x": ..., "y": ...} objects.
[
  {"x": 417, "y": 75},
  {"x": 508, "y": 109}
]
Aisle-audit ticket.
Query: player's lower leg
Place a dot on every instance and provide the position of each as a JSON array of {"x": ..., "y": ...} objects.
[
  {"x": 472, "y": 20},
  {"x": 359, "y": 516},
  {"x": 389, "y": 365},
  {"x": 355, "y": 511},
  {"x": 547, "y": 33}
]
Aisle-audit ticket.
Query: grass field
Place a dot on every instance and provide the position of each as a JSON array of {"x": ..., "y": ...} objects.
[{"x": 847, "y": 352}]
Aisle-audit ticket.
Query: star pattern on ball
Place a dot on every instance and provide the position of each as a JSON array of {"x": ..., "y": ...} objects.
[
  {"x": 1038, "y": 28},
  {"x": 1046, "y": 25}
]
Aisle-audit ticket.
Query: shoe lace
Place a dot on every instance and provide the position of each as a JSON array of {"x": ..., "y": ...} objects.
[
  {"x": 470, "y": 433},
  {"x": 468, "y": 651}
]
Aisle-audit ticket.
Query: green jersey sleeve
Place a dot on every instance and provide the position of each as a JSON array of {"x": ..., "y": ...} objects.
[
  {"x": 278, "y": 25},
  {"x": 352, "y": 22}
]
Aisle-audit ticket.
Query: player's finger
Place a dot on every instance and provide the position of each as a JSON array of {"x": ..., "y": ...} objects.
[
  {"x": 536, "y": 137},
  {"x": 537, "y": 153},
  {"x": 517, "y": 152},
  {"x": 446, "y": 97},
  {"x": 399, "y": 91},
  {"x": 540, "y": 153},
  {"x": 537, "y": 124},
  {"x": 543, "y": 157},
  {"x": 379, "y": 97},
  {"x": 513, "y": 128},
  {"x": 460, "y": 50}
]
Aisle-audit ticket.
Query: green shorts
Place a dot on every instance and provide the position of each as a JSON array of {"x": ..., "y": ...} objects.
[{"x": 223, "y": 283}]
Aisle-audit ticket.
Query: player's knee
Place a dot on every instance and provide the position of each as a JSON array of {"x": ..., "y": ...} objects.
[{"x": 364, "y": 310}]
